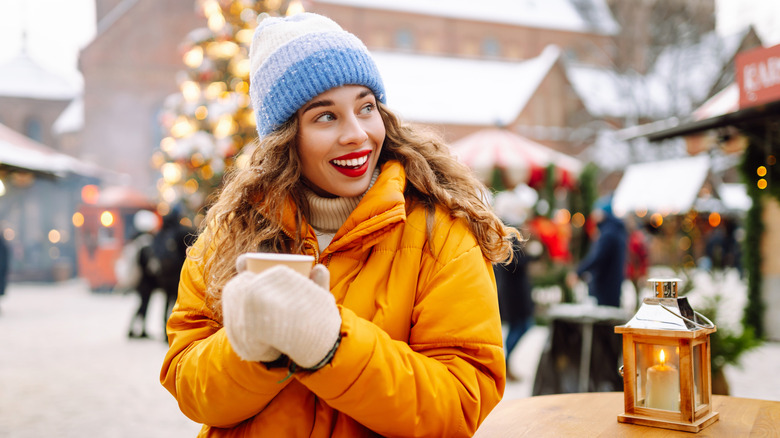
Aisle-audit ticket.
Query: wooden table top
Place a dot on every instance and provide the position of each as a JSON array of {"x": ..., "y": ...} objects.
[{"x": 595, "y": 414}]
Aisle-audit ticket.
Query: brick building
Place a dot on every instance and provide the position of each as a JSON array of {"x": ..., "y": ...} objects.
[{"x": 129, "y": 68}]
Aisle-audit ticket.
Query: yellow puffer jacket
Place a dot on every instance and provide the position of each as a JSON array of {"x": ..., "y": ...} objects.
[{"x": 421, "y": 351}]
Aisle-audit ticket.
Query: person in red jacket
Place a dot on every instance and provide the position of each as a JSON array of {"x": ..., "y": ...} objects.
[
  {"x": 397, "y": 330},
  {"x": 637, "y": 257}
]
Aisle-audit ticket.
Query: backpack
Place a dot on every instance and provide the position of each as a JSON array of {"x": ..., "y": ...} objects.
[{"x": 127, "y": 268}]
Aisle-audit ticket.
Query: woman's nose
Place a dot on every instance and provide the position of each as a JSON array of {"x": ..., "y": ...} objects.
[{"x": 352, "y": 131}]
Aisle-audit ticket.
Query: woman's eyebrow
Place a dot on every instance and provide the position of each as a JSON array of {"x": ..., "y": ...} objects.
[
  {"x": 328, "y": 102},
  {"x": 317, "y": 104}
]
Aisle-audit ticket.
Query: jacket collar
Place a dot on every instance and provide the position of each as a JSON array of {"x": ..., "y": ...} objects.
[{"x": 381, "y": 209}]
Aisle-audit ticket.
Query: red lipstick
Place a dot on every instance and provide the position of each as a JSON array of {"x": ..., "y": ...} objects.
[{"x": 349, "y": 169}]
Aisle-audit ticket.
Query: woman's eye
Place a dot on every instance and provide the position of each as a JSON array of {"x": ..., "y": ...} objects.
[
  {"x": 327, "y": 117},
  {"x": 367, "y": 108}
]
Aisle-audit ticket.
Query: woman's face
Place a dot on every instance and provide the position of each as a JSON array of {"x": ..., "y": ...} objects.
[{"x": 340, "y": 135}]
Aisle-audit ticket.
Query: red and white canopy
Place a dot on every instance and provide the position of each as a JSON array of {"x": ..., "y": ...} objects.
[{"x": 520, "y": 160}]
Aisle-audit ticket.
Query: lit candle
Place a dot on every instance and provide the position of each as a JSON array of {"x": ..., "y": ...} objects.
[{"x": 663, "y": 386}]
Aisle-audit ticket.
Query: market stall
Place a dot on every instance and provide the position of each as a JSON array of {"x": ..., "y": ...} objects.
[
  {"x": 517, "y": 159},
  {"x": 748, "y": 123},
  {"x": 39, "y": 191}
]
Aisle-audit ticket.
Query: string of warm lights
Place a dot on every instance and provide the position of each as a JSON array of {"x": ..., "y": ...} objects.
[{"x": 209, "y": 123}]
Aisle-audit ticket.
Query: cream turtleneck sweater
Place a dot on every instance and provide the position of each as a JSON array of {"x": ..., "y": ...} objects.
[{"x": 328, "y": 214}]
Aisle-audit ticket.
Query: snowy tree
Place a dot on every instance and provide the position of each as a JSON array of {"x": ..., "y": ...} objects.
[
  {"x": 668, "y": 60},
  {"x": 209, "y": 123},
  {"x": 648, "y": 27}
]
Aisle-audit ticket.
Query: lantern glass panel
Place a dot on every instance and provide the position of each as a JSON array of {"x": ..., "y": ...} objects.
[
  {"x": 698, "y": 382},
  {"x": 657, "y": 376}
]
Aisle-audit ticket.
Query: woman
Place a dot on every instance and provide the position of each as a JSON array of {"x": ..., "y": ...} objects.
[{"x": 398, "y": 333}]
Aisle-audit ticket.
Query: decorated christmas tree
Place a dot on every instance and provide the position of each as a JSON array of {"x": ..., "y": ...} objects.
[{"x": 209, "y": 126}]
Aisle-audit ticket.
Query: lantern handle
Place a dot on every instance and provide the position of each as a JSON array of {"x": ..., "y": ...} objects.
[{"x": 709, "y": 326}]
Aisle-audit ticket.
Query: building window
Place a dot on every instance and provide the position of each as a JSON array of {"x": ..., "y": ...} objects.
[
  {"x": 33, "y": 129},
  {"x": 404, "y": 39},
  {"x": 491, "y": 47}
]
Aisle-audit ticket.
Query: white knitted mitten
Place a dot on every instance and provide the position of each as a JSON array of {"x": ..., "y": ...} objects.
[
  {"x": 240, "y": 327},
  {"x": 296, "y": 315}
]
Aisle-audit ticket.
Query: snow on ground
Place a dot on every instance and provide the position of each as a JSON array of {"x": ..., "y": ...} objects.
[{"x": 67, "y": 368}]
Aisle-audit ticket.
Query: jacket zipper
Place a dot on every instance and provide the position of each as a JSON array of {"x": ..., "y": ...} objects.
[{"x": 306, "y": 244}]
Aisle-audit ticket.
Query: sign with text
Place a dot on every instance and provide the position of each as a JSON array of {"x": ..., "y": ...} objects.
[{"x": 758, "y": 75}]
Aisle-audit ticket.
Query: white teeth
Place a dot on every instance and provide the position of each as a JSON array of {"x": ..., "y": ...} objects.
[{"x": 355, "y": 162}]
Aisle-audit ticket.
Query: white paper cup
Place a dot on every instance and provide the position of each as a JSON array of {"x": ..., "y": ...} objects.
[{"x": 260, "y": 261}]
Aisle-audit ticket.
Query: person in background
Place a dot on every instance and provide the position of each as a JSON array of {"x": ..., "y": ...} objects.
[
  {"x": 638, "y": 256},
  {"x": 514, "y": 289},
  {"x": 397, "y": 331},
  {"x": 722, "y": 248},
  {"x": 170, "y": 250},
  {"x": 140, "y": 258},
  {"x": 604, "y": 266}
]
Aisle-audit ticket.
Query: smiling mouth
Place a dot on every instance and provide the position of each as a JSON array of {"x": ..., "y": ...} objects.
[{"x": 352, "y": 163}]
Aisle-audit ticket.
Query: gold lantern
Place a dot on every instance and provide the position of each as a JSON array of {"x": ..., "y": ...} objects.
[{"x": 666, "y": 363}]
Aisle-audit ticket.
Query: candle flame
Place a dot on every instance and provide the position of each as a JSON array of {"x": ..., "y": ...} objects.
[{"x": 662, "y": 356}]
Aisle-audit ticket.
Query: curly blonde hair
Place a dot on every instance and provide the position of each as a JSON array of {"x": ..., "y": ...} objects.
[{"x": 250, "y": 205}]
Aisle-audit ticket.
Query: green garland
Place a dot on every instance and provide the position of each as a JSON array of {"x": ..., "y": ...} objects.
[
  {"x": 754, "y": 157},
  {"x": 547, "y": 192},
  {"x": 582, "y": 200}
]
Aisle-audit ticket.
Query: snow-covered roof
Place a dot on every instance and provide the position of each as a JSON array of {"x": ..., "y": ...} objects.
[
  {"x": 669, "y": 186},
  {"x": 724, "y": 102},
  {"x": 114, "y": 14},
  {"x": 434, "y": 89},
  {"x": 71, "y": 119},
  {"x": 734, "y": 196},
  {"x": 591, "y": 16},
  {"x": 607, "y": 93},
  {"x": 23, "y": 152},
  {"x": 23, "y": 77}
]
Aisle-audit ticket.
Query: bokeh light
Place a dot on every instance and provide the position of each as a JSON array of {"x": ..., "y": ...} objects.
[
  {"x": 578, "y": 220},
  {"x": 656, "y": 220},
  {"x": 77, "y": 219},
  {"x": 90, "y": 194},
  {"x": 714, "y": 219},
  {"x": 106, "y": 218},
  {"x": 54, "y": 236},
  {"x": 194, "y": 57}
]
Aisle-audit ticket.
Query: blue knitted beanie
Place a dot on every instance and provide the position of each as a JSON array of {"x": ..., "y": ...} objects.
[{"x": 294, "y": 59}]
